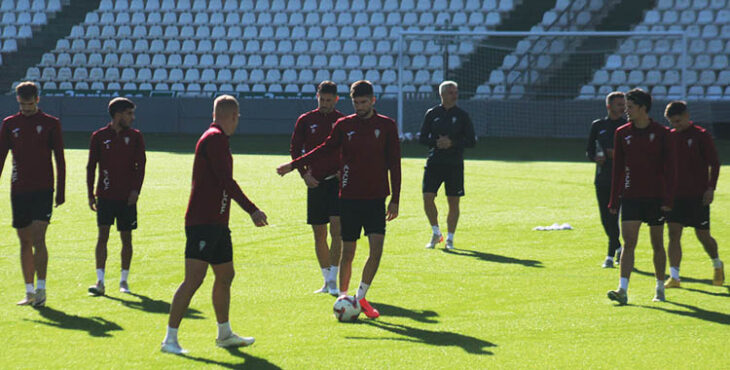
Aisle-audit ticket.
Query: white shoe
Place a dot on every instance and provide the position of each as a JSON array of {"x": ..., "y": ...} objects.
[
  {"x": 449, "y": 244},
  {"x": 173, "y": 347},
  {"x": 39, "y": 298},
  {"x": 28, "y": 300},
  {"x": 435, "y": 239},
  {"x": 323, "y": 289},
  {"x": 332, "y": 287},
  {"x": 124, "y": 287},
  {"x": 234, "y": 341}
]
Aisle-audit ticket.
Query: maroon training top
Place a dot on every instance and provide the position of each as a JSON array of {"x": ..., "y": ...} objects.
[
  {"x": 643, "y": 164},
  {"x": 121, "y": 159},
  {"x": 695, "y": 152},
  {"x": 311, "y": 129},
  {"x": 213, "y": 183},
  {"x": 31, "y": 139},
  {"x": 368, "y": 149}
]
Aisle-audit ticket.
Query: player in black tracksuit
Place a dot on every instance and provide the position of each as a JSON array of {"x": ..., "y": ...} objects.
[{"x": 600, "y": 151}]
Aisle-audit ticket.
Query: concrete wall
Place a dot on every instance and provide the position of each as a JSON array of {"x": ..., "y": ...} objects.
[{"x": 497, "y": 118}]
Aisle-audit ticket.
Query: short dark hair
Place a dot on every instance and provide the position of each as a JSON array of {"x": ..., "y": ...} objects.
[
  {"x": 675, "y": 107},
  {"x": 27, "y": 90},
  {"x": 119, "y": 105},
  {"x": 614, "y": 95},
  {"x": 361, "y": 88},
  {"x": 640, "y": 98},
  {"x": 327, "y": 87}
]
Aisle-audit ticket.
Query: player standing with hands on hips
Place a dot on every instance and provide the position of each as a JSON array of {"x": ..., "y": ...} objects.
[
  {"x": 369, "y": 149},
  {"x": 446, "y": 130},
  {"x": 206, "y": 227}
]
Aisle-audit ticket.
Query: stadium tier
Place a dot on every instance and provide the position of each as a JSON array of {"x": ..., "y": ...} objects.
[{"x": 199, "y": 47}]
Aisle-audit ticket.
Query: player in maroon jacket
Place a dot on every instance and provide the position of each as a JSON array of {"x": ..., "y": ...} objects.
[
  {"x": 643, "y": 182},
  {"x": 206, "y": 226},
  {"x": 698, "y": 168},
  {"x": 119, "y": 151},
  {"x": 311, "y": 129},
  {"x": 32, "y": 135},
  {"x": 369, "y": 149}
]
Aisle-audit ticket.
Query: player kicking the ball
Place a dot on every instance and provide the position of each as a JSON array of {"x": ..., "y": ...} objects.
[
  {"x": 206, "y": 227},
  {"x": 369, "y": 149},
  {"x": 698, "y": 168}
]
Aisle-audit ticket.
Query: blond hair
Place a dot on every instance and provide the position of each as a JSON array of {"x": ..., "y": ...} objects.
[{"x": 225, "y": 105}]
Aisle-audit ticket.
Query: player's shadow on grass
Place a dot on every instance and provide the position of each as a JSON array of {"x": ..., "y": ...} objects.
[
  {"x": 489, "y": 257},
  {"x": 683, "y": 278},
  {"x": 150, "y": 305},
  {"x": 250, "y": 362},
  {"x": 424, "y": 316},
  {"x": 696, "y": 312},
  {"x": 709, "y": 293},
  {"x": 469, "y": 344},
  {"x": 96, "y": 326}
]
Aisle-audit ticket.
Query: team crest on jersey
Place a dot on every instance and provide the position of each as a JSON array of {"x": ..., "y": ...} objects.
[
  {"x": 689, "y": 143},
  {"x": 628, "y": 140},
  {"x": 39, "y": 128},
  {"x": 601, "y": 132},
  {"x": 349, "y": 135},
  {"x": 377, "y": 133},
  {"x": 106, "y": 143},
  {"x": 16, "y": 132},
  {"x": 437, "y": 119},
  {"x": 453, "y": 120},
  {"x": 126, "y": 140},
  {"x": 313, "y": 127},
  {"x": 651, "y": 137}
]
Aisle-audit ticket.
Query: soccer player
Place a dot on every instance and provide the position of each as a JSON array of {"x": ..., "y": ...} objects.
[
  {"x": 643, "y": 184},
  {"x": 369, "y": 148},
  {"x": 698, "y": 168},
  {"x": 320, "y": 177},
  {"x": 206, "y": 226},
  {"x": 119, "y": 151},
  {"x": 446, "y": 130},
  {"x": 600, "y": 150},
  {"x": 32, "y": 135}
]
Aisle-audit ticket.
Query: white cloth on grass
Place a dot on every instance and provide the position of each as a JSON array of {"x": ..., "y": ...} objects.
[{"x": 555, "y": 226}]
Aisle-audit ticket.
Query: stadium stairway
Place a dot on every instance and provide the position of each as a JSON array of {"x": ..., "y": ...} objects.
[
  {"x": 44, "y": 39},
  {"x": 475, "y": 71},
  {"x": 575, "y": 72}
]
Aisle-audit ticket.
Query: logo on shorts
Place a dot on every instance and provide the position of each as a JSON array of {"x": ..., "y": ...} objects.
[
  {"x": 313, "y": 127},
  {"x": 201, "y": 245},
  {"x": 689, "y": 143},
  {"x": 39, "y": 128},
  {"x": 651, "y": 137},
  {"x": 601, "y": 132},
  {"x": 126, "y": 140},
  {"x": 48, "y": 215},
  {"x": 349, "y": 135},
  {"x": 453, "y": 120},
  {"x": 107, "y": 142},
  {"x": 704, "y": 223},
  {"x": 661, "y": 219},
  {"x": 377, "y": 133},
  {"x": 16, "y": 132}
]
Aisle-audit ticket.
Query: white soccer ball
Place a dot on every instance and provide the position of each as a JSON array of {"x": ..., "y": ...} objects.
[{"x": 347, "y": 309}]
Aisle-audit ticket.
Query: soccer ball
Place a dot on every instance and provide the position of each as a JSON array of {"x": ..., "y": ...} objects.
[{"x": 346, "y": 309}]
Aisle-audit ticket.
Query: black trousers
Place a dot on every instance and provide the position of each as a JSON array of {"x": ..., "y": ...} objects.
[{"x": 609, "y": 221}]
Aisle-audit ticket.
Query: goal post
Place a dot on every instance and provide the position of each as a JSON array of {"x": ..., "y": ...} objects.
[{"x": 537, "y": 83}]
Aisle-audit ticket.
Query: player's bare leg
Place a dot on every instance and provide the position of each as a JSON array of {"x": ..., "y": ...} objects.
[
  {"x": 452, "y": 220},
  {"x": 630, "y": 233},
  {"x": 40, "y": 260},
  {"x": 674, "y": 250},
  {"x": 660, "y": 260},
  {"x": 335, "y": 254},
  {"x": 348, "y": 255},
  {"x": 224, "y": 274},
  {"x": 321, "y": 249},
  {"x": 195, "y": 271},
  {"x": 432, "y": 213},
  {"x": 710, "y": 245},
  {"x": 368, "y": 273},
  {"x": 26, "y": 263},
  {"x": 101, "y": 253},
  {"x": 126, "y": 254}
]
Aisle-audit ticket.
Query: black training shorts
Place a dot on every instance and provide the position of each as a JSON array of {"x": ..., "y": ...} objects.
[
  {"x": 359, "y": 214},
  {"x": 108, "y": 210},
  {"x": 645, "y": 210},
  {"x": 451, "y": 175},
  {"x": 31, "y": 206},
  {"x": 209, "y": 243},
  {"x": 690, "y": 212},
  {"x": 323, "y": 202}
]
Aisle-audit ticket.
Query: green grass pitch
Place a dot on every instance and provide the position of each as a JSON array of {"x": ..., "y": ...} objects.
[{"x": 507, "y": 297}]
